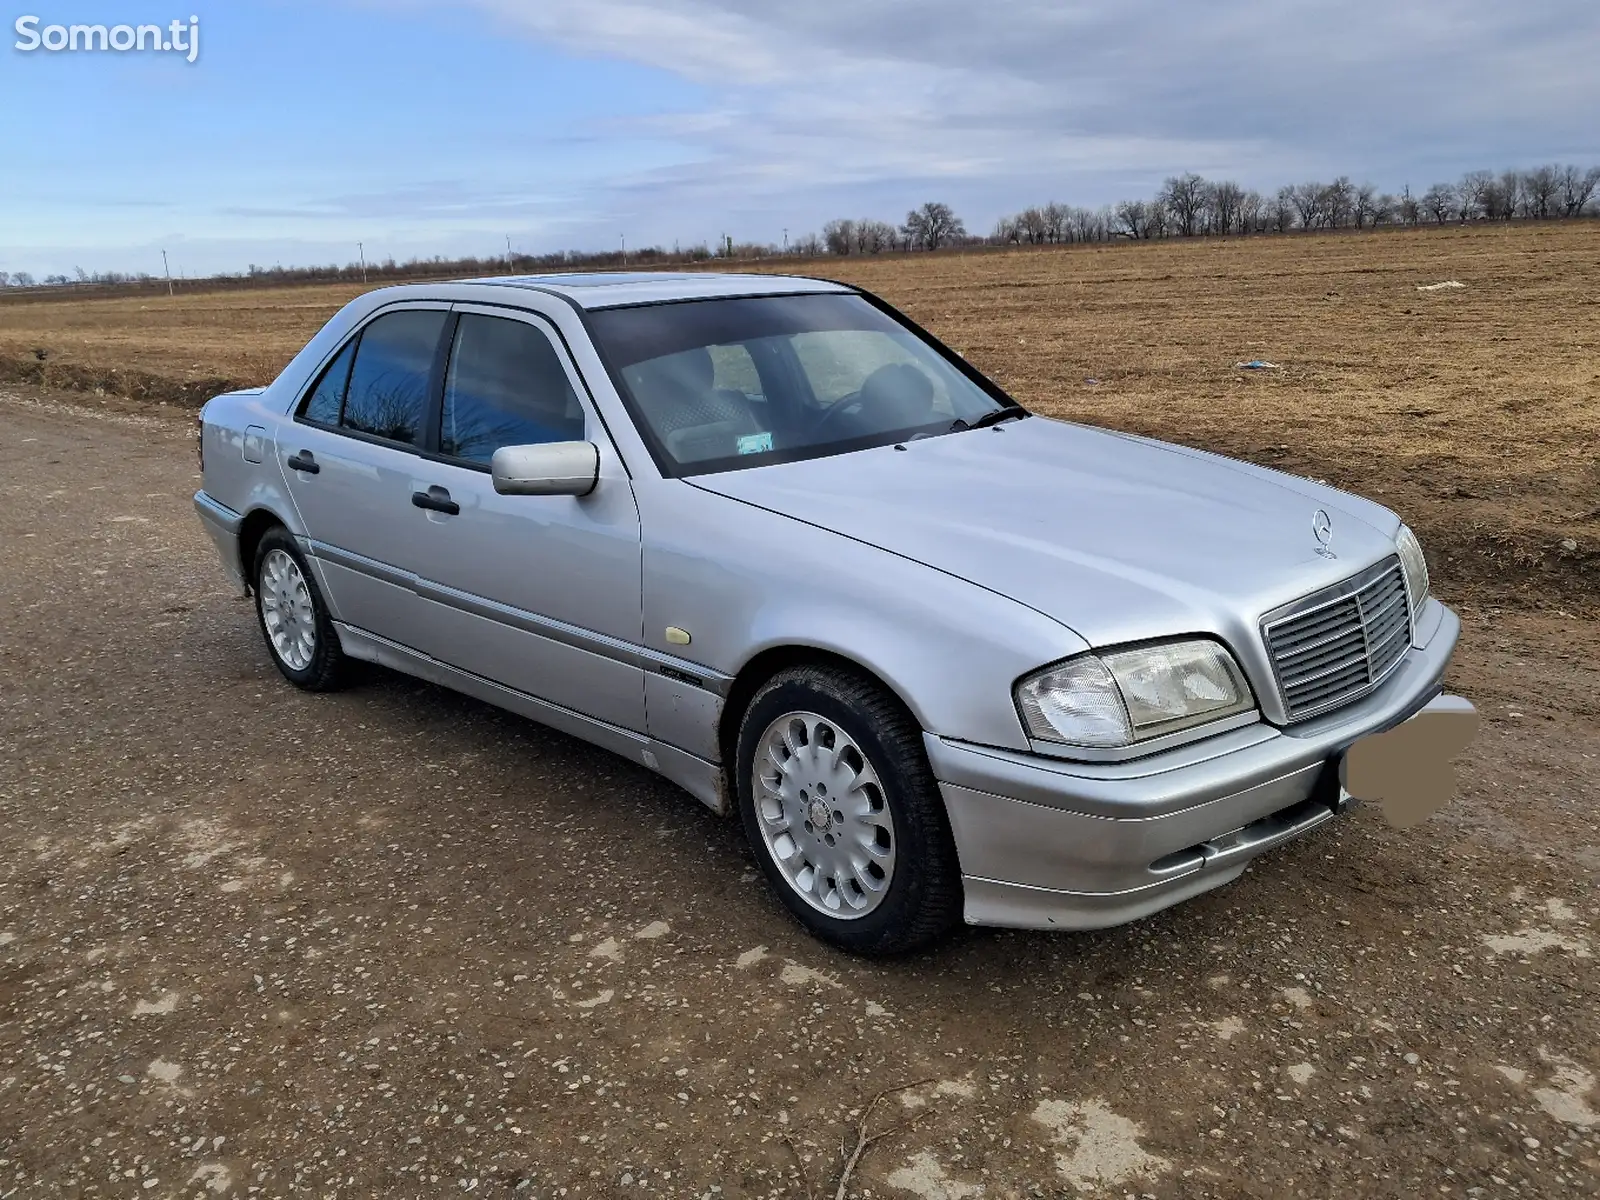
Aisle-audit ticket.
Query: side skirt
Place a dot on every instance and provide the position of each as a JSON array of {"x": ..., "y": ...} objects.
[{"x": 701, "y": 779}]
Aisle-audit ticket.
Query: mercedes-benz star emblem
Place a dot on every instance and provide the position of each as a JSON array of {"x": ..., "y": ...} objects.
[{"x": 1322, "y": 530}]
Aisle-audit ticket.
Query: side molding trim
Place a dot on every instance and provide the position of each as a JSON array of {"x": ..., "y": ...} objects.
[{"x": 602, "y": 644}]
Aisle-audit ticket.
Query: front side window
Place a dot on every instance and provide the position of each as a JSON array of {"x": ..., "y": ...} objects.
[
  {"x": 721, "y": 384},
  {"x": 505, "y": 386},
  {"x": 388, "y": 392}
]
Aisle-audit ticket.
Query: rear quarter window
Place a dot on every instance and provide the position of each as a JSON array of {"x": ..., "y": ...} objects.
[{"x": 326, "y": 400}]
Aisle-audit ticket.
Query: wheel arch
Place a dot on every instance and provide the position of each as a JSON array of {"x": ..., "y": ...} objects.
[
  {"x": 765, "y": 665},
  {"x": 251, "y": 530},
  {"x": 931, "y": 903}
]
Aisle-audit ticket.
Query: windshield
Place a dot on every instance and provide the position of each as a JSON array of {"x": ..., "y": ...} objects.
[{"x": 716, "y": 385}]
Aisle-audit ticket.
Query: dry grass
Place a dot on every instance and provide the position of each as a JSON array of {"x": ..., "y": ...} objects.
[{"x": 1474, "y": 412}]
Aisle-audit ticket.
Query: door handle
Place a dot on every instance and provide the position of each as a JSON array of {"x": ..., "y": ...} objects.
[
  {"x": 437, "y": 499},
  {"x": 303, "y": 461}
]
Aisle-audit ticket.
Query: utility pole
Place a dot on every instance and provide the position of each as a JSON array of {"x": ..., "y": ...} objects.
[
  {"x": 786, "y": 241},
  {"x": 167, "y": 271},
  {"x": 510, "y": 266},
  {"x": 361, "y": 249},
  {"x": 624, "y": 248}
]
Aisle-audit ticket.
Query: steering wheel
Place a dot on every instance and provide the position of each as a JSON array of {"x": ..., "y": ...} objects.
[
  {"x": 830, "y": 415},
  {"x": 888, "y": 398}
]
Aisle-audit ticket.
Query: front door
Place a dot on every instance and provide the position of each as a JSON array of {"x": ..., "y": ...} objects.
[
  {"x": 539, "y": 593},
  {"x": 349, "y": 457}
]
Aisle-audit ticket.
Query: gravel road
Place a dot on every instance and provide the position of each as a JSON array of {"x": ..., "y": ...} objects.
[{"x": 395, "y": 942}]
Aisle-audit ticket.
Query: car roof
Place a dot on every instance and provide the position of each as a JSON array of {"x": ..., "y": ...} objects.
[{"x": 616, "y": 289}]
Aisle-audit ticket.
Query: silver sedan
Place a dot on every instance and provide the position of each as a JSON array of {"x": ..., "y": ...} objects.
[{"x": 945, "y": 658}]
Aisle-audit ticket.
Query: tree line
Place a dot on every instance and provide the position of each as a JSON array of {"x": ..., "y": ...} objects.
[
  {"x": 1190, "y": 205},
  {"x": 1187, "y": 205}
]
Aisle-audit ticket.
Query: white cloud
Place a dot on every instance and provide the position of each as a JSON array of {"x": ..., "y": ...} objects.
[
  {"x": 1084, "y": 101},
  {"x": 797, "y": 113}
]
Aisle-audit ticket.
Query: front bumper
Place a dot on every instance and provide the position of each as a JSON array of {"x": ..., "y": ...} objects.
[
  {"x": 1047, "y": 844},
  {"x": 223, "y": 524}
]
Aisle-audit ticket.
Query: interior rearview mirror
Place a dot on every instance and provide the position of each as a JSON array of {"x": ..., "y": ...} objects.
[{"x": 546, "y": 469}]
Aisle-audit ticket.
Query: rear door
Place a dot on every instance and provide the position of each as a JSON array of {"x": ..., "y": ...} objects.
[
  {"x": 350, "y": 458},
  {"x": 540, "y": 593}
]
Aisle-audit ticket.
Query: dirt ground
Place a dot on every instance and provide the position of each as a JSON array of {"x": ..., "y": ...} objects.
[{"x": 395, "y": 942}]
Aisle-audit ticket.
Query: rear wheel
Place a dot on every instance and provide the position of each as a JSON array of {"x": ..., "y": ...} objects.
[
  {"x": 843, "y": 813},
  {"x": 294, "y": 619}
]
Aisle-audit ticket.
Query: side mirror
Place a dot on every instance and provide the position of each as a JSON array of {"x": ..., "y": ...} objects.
[{"x": 546, "y": 469}]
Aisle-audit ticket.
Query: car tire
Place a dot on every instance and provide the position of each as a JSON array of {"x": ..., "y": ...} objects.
[
  {"x": 820, "y": 849},
  {"x": 294, "y": 620}
]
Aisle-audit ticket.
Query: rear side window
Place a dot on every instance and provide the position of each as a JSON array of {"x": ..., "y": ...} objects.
[
  {"x": 327, "y": 398},
  {"x": 388, "y": 392},
  {"x": 505, "y": 387}
]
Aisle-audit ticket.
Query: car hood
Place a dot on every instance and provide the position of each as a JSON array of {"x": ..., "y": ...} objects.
[{"x": 1117, "y": 537}]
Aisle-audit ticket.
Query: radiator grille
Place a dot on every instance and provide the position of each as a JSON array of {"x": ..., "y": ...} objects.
[{"x": 1338, "y": 644}]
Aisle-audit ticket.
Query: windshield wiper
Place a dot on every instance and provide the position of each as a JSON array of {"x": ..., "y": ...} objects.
[{"x": 990, "y": 418}]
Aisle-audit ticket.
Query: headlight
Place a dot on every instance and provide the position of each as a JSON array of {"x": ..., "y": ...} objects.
[
  {"x": 1414, "y": 566},
  {"x": 1128, "y": 696}
]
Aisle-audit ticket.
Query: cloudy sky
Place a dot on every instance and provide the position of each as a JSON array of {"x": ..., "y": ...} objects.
[{"x": 424, "y": 126}]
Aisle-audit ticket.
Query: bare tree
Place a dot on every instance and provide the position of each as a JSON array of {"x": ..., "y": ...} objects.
[
  {"x": 810, "y": 245},
  {"x": 1281, "y": 210},
  {"x": 1475, "y": 195},
  {"x": 1225, "y": 199},
  {"x": 1338, "y": 203},
  {"x": 1006, "y": 232},
  {"x": 1540, "y": 187},
  {"x": 1365, "y": 207},
  {"x": 931, "y": 226},
  {"x": 873, "y": 236},
  {"x": 1088, "y": 224},
  {"x": 1252, "y": 212},
  {"x": 1507, "y": 195},
  {"x": 1133, "y": 217},
  {"x": 1160, "y": 217},
  {"x": 1185, "y": 197},
  {"x": 1576, "y": 188},
  {"x": 1031, "y": 224},
  {"x": 1407, "y": 208},
  {"x": 1439, "y": 202},
  {"x": 1308, "y": 200},
  {"x": 839, "y": 236},
  {"x": 1056, "y": 217}
]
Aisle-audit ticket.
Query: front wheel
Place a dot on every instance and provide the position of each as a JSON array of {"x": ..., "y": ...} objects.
[
  {"x": 294, "y": 619},
  {"x": 843, "y": 813}
]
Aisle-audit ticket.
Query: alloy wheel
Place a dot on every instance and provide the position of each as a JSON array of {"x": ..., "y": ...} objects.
[
  {"x": 823, "y": 815},
  {"x": 287, "y": 610}
]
